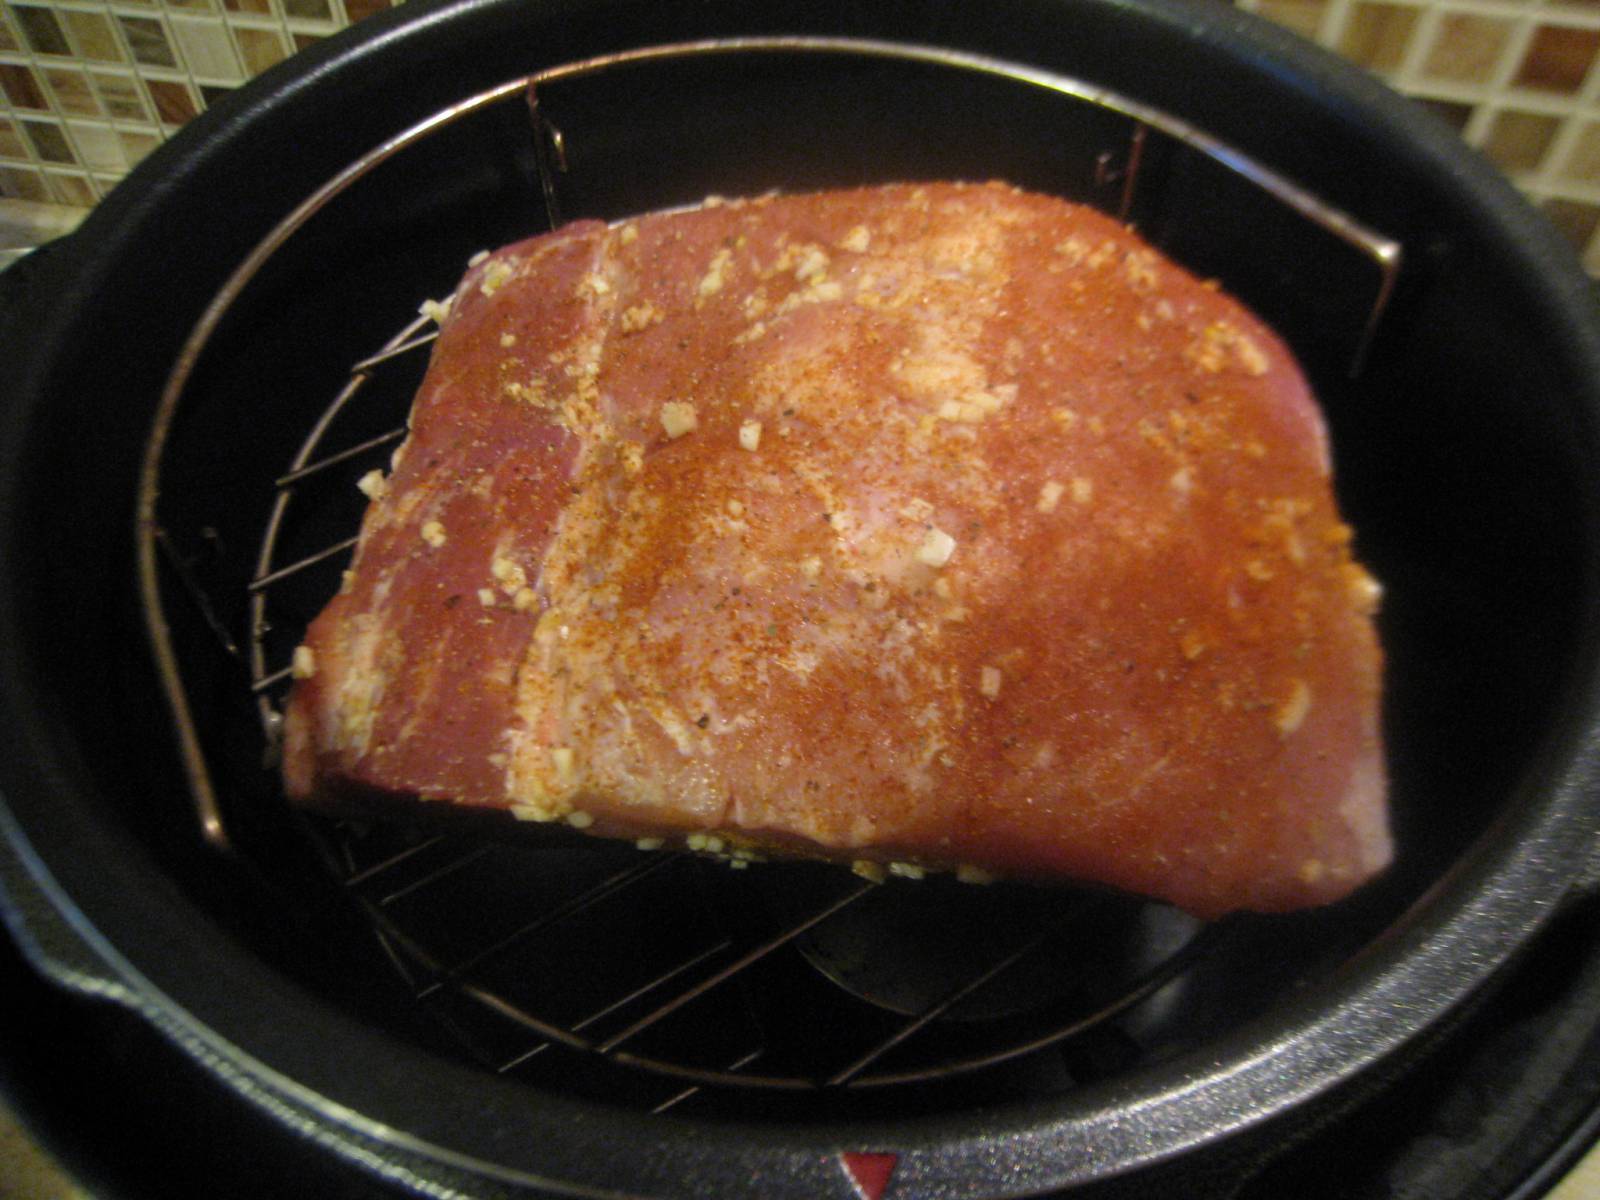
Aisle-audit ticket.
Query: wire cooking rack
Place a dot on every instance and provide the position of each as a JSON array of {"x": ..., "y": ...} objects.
[{"x": 784, "y": 979}]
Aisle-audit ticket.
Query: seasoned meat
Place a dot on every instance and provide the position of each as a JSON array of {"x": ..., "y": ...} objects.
[{"x": 942, "y": 525}]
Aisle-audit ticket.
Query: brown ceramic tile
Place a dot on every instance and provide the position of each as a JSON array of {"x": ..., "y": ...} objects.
[
  {"x": 1517, "y": 141},
  {"x": 40, "y": 29},
  {"x": 1451, "y": 112},
  {"x": 8, "y": 39},
  {"x": 1466, "y": 48},
  {"x": 148, "y": 41},
  {"x": 308, "y": 10},
  {"x": 11, "y": 143},
  {"x": 136, "y": 145},
  {"x": 358, "y": 10},
  {"x": 21, "y": 87},
  {"x": 1558, "y": 58},
  {"x": 121, "y": 96},
  {"x": 1576, "y": 221},
  {"x": 21, "y": 183},
  {"x": 303, "y": 40},
  {"x": 49, "y": 143},
  {"x": 248, "y": 6},
  {"x": 174, "y": 104},
  {"x": 91, "y": 32},
  {"x": 1302, "y": 16},
  {"x": 71, "y": 189},
  {"x": 1582, "y": 164},
  {"x": 260, "y": 48},
  {"x": 72, "y": 92},
  {"x": 1376, "y": 35}
]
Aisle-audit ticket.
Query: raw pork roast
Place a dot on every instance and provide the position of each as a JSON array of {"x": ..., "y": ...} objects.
[{"x": 917, "y": 527}]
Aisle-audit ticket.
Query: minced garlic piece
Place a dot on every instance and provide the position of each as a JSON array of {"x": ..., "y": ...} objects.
[
  {"x": 678, "y": 417},
  {"x": 811, "y": 566},
  {"x": 592, "y": 286},
  {"x": 509, "y": 574},
  {"x": 936, "y": 548},
  {"x": 750, "y": 435},
  {"x": 486, "y": 597},
  {"x": 507, "y": 340},
  {"x": 304, "y": 664},
  {"x": 989, "y": 681},
  {"x": 493, "y": 276},
  {"x": 433, "y": 534},
  {"x": 628, "y": 234},
  {"x": 531, "y": 812},
  {"x": 1049, "y": 496},
  {"x": 1292, "y": 713},
  {"x": 436, "y": 310},
  {"x": 563, "y": 760},
  {"x": 524, "y": 600},
  {"x": 966, "y": 873},
  {"x": 579, "y": 819},
  {"x": 640, "y": 316},
  {"x": 1082, "y": 490},
  {"x": 373, "y": 485},
  {"x": 716, "y": 273},
  {"x": 868, "y": 869},
  {"x": 857, "y": 240},
  {"x": 906, "y": 870},
  {"x": 482, "y": 256},
  {"x": 648, "y": 843}
]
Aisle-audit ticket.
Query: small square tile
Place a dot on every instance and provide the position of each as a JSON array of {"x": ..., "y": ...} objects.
[
  {"x": 1575, "y": 220},
  {"x": 148, "y": 41},
  {"x": 1451, "y": 112},
  {"x": 1582, "y": 164},
  {"x": 260, "y": 48},
  {"x": 1517, "y": 141},
  {"x": 174, "y": 104},
  {"x": 20, "y": 87},
  {"x": 206, "y": 49},
  {"x": 263, "y": 7},
  {"x": 11, "y": 143},
  {"x": 1466, "y": 48},
  {"x": 308, "y": 10},
  {"x": 71, "y": 89},
  {"x": 136, "y": 145},
  {"x": 40, "y": 29},
  {"x": 99, "y": 149},
  {"x": 23, "y": 183},
  {"x": 91, "y": 32},
  {"x": 1558, "y": 58},
  {"x": 120, "y": 95},
  {"x": 1302, "y": 16},
  {"x": 49, "y": 143},
  {"x": 359, "y": 10},
  {"x": 75, "y": 190},
  {"x": 8, "y": 39},
  {"x": 1377, "y": 35}
]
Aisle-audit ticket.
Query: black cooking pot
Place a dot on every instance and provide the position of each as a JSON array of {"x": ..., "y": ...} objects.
[{"x": 376, "y": 1008}]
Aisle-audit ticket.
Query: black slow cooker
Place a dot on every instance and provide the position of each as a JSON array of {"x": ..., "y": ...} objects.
[{"x": 227, "y": 997}]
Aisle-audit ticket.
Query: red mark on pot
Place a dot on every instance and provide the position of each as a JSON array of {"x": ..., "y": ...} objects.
[{"x": 869, "y": 1173}]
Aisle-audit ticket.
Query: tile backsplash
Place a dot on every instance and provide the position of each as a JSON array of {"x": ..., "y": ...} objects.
[{"x": 89, "y": 87}]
